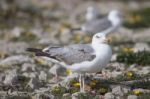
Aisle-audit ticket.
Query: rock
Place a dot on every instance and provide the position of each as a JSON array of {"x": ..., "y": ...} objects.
[
  {"x": 10, "y": 78},
  {"x": 115, "y": 73},
  {"x": 132, "y": 97},
  {"x": 34, "y": 83},
  {"x": 57, "y": 70},
  {"x": 144, "y": 70},
  {"x": 66, "y": 95},
  {"x": 13, "y": 60},
  {"x": 16, "y": 32},
  {"x": 30, "y": 75},
  {"x": 99, "y": 97},
  {"x": 109, "y": 96},
  {"x": 65, "y": 36},
  {"x": 117, "y": 91},
  {"x": 37, "y": 31},
  {"x": 126, "y": 89},
  {"x": 75, "y": 95},
  {"x": 79, "y": 95},
  {"x": 28, "y": 67},
  {"x": 132, "y": 67},
  {"x": 141, "y": 47},
  {"x": 2, "y": 77},
  {"x": 118, "y": 97},
  {"x": 43, "y": 96},
  {"x": 47, "y": 41},
  {"x": 114, "y": 57},
  {"x": 11, "y": 47},
  {"x": 118, "y": 66},
  {"x": 43, "y": 76}
]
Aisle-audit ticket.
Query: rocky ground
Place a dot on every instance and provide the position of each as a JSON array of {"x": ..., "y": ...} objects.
[{"x": 39, "y": 23}]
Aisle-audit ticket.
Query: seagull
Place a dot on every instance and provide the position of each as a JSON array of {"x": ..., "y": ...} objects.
[
  {"x": 95, "y": 25},
  {"x": 80, "y": 58},
  {"x": 92, "y": 14}
]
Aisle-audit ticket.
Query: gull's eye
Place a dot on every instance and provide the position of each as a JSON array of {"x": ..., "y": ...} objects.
[{"x": 97, "y": 36}]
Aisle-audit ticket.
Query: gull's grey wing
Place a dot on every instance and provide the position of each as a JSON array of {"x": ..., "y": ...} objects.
[
  {"x": 97, "y": 25},
  {"x": 73, "y": 53}
]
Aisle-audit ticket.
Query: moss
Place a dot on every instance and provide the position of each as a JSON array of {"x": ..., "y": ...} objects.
[
  {"x": 73, "y": 90},
  {"x": 26, "y": 36},
  {"x": 144, "y": 96},
  {"x": 58, "y": 90},
  {"x": 102, "y": 90},
  {"x": 142, "y": 84},
  {"x": 140, "y": 58},
  {"x": 126, "y": 77},
  {"x": 138, "y": 19}
]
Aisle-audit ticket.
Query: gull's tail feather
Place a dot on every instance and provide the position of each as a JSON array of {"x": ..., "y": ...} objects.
[
  {"x": 39, "y": 52},
  {"x": 33, "y": 50}
]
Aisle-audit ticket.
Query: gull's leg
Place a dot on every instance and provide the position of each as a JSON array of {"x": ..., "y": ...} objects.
[
  {"x": 80, "y": 81},
  {"x": 83, "y": 83}
]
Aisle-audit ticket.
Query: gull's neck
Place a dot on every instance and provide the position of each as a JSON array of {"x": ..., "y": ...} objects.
[
  {"x": 91, "y": 15},
  {"x": 98, "y": 47},
  {"x": 116, "y": 21}
]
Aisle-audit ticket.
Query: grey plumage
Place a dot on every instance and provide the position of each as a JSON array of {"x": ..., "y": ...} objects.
[
  {"x": 69, "y": 54},
  {"x": 73, "y": 53},
  {"x": 96, "y": 25}
]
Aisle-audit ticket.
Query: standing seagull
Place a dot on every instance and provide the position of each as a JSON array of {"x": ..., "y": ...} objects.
[{"x": 80, "y": 58}]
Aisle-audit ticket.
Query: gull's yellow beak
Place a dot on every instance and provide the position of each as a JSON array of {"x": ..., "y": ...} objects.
[{"x": 108, "y": 40}]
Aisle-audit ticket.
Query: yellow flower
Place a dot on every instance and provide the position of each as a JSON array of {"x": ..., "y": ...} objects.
[
  {"x": 129, "y": 74},
  {"x": 77, "y": 37},
  {"x": 93, "y": 83},
  {"x": 133, "y": 19},
  {"x": 39, "y": 61},
  {"x": 110, "y": 39},
  {"x": 138, "y": 18},
  {"x": 128, "y": 50},
  {"x": 137, "y": 92},
  {"x": 56, "y": 90},
  {"x": 87, "y": 39},
  {"x": 77, "y": 84},
  {"x": 68, "y": 72},
  {"x": 62, "y": 29}
]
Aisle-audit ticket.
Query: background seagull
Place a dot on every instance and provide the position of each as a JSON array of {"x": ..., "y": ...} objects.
[
  {"x": 92, "y": 14},
  {"x": 80, "y": 58},
  {"x": 111, "y": 22}
]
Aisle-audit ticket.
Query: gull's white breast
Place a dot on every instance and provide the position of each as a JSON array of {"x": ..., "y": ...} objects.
[{"x": 103, "y": 56}]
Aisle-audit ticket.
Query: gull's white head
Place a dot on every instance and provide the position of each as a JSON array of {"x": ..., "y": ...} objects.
[
  {"x": 99, "y": 38},
  {"x": 91, "y": 13},
  {"x": 114, "y": 17}
]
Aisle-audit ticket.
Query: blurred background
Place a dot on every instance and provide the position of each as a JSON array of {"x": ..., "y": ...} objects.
[{"x": 39, "y": 23}]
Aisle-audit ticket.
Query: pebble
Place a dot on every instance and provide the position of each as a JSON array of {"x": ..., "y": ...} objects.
[
  {"x": 11, "y": 77},
  {"x": 43, "y": 76},
  {"x": 141, "y": 47},
  {"x": 117, "y": 91},
  {"x": 26, "y": 67},
  {"x": 144, "y": 70},
  {"x": 16, "y": 59},
  {"x": 132, "y": 97},
  {"x": 34, "y": 83},
  {"x": 109, "y": 96}
]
